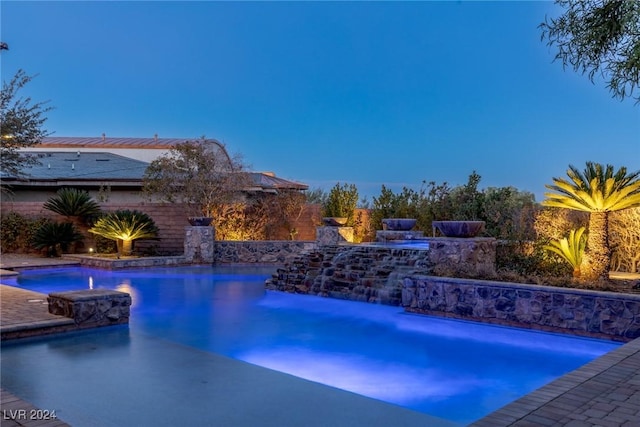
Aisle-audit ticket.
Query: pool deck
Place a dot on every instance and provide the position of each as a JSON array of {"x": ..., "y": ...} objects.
[{"x": 604, "y": 392}]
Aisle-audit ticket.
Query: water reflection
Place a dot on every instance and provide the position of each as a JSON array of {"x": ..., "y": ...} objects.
[{"x": 125, "y": 286}]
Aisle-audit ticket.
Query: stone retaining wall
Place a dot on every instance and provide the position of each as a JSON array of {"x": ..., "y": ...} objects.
[
  {"x": 258, "y": 252},
  {"x": 370, "y": 272},
  {"x": 92, "y": 307},
  {"x": 581, "y": 312},
  {"x": 474, "y": 257}
]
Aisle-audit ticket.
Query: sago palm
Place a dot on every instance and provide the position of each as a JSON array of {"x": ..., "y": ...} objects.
[
  {"x": 55, "y": 237},
  {"x": 125, "y": 227},
  {"x": 597, "y": 190},
  {"x": 571, "y": 249},
  {"x": 71, "y": 202}
]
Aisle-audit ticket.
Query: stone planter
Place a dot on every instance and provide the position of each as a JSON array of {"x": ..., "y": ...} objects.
[
  {"x": 458, "y": 228},
  {"x": 200, "y": 221},
  {"x": 398, "y": 224},
  {"x": 334, "y": 221}
]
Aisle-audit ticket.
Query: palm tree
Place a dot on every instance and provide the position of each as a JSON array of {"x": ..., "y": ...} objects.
[
  {"x": 124, "y": 227},
  {"x": 597, "y": 190}
]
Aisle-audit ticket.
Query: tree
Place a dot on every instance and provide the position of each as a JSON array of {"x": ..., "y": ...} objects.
[
  {"x": 199, "y": 174},
  {"x": 21, "y": 125},
  {"x": 125, "y": 226},
  {"x": 597, "y": 190},
  {"x": 599, "y": 37}
]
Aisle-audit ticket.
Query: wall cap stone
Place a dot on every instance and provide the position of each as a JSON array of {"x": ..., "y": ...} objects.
[
  {"x": 88, "y": 295},
  {"x": 530, "y": 287}
]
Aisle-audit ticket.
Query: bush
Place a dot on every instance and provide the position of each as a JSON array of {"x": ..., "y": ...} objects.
[
  {"x": 56, "y": 237},
  {"x": 105, "y": 246},
  {"x": 16, "y": 232},
  {"x": 341, "y": 202},
  {"x": 527, "y": 259}
]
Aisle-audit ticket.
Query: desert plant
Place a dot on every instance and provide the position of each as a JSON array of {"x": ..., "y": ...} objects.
[
  {"x": 55, "y": 237},
  {"x": 341, "y": 202},
  {"x": 597, "y": 190},
  {"x": 72, "y": 202},
  {"x": 125, "y": 226},
  {"x": 571, "y": 249}
]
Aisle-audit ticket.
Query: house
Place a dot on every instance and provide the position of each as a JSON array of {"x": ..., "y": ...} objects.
[
  {"x": 111, "y": 170},
  {"x": 104, "y": 164}
]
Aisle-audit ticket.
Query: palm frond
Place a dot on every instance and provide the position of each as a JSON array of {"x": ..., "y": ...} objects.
[
  {"x": 596, "y": 189},
  {"x": 72, "y": 202},
  {"x": 52, "y": 235},
  {"x": 125, "y": 225},
  {"x": 570, "y": 249}
]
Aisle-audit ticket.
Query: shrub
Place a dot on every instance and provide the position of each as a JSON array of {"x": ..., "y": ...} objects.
[
  {"x": 341, "y": 202},
  {"x": 55, "y": 237},
  {"x": 16, "y": 232}
]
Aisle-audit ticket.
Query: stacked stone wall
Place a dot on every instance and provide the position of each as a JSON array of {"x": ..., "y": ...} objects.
[
  {"x": 91, "y": 308},
  {"x": 353, "y": 272},
  {"x": 402, "y": 276},
  {"x": 258, "y": 252},
  {"x": 581, "y": 312},
  {"x": 463, "y": 257}
]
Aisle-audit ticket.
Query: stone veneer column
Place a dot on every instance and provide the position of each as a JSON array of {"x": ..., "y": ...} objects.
[
  {"x": 199, "y": 244},
  {"x": 329, "y": 235}
]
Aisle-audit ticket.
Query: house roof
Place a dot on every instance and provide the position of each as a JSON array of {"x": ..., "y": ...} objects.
[
  {"x": 82, "y": 166},
  {"x": 90, "y": 168},
  {"x": 268, "y": 181},
  {"x": 110, "y": 142}
]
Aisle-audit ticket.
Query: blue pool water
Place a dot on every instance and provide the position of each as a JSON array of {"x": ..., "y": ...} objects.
[{"x": 456, "y": 370}]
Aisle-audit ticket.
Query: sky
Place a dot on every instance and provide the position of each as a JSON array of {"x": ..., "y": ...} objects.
[{"x": 366, "y": 93}]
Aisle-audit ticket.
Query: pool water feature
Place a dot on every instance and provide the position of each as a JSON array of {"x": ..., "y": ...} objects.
[{"x": 456, "y": 370}]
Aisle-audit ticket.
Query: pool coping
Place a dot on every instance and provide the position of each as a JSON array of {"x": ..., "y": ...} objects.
[{"x": 605, "y": 391}]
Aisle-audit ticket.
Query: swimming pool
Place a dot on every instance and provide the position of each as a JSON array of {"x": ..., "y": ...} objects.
[{"x": 459, "y": 371}]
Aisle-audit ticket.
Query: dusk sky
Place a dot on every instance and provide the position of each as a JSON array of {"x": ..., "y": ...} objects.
[{"x": 368, "y": 93}]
